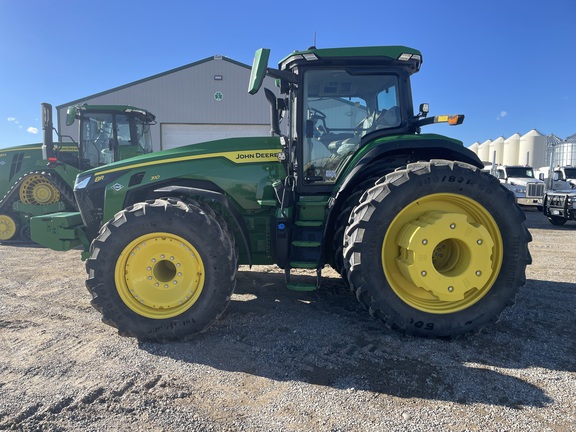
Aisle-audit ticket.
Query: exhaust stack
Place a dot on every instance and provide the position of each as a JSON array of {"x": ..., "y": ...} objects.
[{"x": 47, "y": 128}]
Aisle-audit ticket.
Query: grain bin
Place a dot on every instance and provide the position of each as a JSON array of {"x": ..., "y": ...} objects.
[
  {"x": 511, "y": 148},
  {"x": 484, "y": 151},
  {"x": 532, "y": 149},
  {"x": 497, "y": 151}
]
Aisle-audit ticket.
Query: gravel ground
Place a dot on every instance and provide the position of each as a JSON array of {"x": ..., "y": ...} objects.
[{"x": 285, "y": 361}]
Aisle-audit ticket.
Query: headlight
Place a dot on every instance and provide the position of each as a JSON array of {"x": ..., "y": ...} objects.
[{"x": 81, "y": 183}]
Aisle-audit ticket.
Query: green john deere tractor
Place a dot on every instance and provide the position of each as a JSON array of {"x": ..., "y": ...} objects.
[
  {"x": 37, "y": 179},
  {"x": 427, "y": 242}
]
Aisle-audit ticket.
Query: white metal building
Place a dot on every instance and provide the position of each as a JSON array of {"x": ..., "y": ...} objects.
[{"x": 197, "y": 102}]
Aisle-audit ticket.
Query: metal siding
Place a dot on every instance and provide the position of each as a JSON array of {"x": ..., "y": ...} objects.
[
  {"x": 186, "y": 95},
  {"x": 176, "y": 135}
]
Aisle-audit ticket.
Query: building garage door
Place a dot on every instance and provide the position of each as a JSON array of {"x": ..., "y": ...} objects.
[{"x": 177, "y": 135}]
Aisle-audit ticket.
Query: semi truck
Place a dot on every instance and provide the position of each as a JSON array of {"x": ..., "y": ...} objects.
[
  {"x": 37, "y": 179},
  {"x": 520, "y": 180},
  {"x": 427, "y": 242},
  {"x": 562, "y": 178}
]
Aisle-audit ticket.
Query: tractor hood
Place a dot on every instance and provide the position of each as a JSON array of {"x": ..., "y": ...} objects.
[
  {"x": 235, "y": 150},
  {"x": 24, "y": 147}
]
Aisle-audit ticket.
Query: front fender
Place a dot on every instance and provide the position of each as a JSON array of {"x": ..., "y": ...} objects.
[{"x": 211, "y": 195}]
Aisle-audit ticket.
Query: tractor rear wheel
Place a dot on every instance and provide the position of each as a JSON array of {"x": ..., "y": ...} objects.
[
  {"x": 162, "y": 270},
  {"x": 438, "y": 249}
]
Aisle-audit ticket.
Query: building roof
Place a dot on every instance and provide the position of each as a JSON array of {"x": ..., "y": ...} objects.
[{"x": 168, "y": 72}]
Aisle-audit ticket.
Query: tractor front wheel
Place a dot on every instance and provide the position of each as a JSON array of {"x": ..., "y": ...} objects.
[
  {"x": 438, "y": 249},
  {"x": 162, "y": 270}
]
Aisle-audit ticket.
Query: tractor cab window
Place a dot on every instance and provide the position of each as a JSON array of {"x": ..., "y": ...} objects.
[
  {"x": 339, "y": 108},
  {"x": 143, "y": 138},
  {"x": 97, "y": 139},
  {"x": 106, "y": 138},
  {"x": 133, "y": 137}
]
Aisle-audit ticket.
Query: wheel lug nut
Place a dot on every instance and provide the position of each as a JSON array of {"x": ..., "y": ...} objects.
[
  {"x": 423, "y": 273},
  {"x": 450, "y": 288},
  {"x": 452, "y": 226},
  {"x": 479, "y": 241},
  {"x": 478, "y": 272},
  {"x": 424, "y": 241}
]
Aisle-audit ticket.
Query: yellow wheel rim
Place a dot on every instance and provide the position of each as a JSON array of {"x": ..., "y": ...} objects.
[
  {"x": 442, "y": 253},
  {"x": 7, "y": 227},
  {"x": 37, "y": 190},
  {"x": 159, "y": 275}
]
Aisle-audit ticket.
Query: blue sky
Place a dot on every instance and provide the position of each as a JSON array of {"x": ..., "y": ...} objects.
[{"x": 509, "y": 66}]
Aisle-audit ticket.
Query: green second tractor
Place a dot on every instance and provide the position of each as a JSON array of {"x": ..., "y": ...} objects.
[
  {"x": 37, "y": 179},
  {"x": 427, "y": 242}
]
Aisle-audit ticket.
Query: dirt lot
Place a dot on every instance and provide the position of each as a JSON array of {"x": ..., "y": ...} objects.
[{"x": 284, "y": 361}]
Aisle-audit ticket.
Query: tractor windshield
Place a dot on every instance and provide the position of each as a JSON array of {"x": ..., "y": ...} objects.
[
  {"x": 108, "y": 137},
  {"x": 339, "y": 108}
]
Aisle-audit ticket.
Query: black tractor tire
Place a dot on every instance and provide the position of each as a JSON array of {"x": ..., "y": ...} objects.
[
  {"x": 342, "y": 222},
  {"x": 162, "y": 270},
  {"x": 438, "y": 249},
  {"x": 25, "y": 232},
  {"x": 557, "y": 220}
]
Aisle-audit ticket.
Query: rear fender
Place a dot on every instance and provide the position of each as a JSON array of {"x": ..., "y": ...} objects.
[
  {"x": 414, "y": 148},
  {"x": 377, "y": 160}
]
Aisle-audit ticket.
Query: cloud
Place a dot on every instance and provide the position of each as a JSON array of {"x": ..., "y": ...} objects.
[
  {"x": 12, "y": 120},
  {"x": 502, "y": 115},
  {"x": 32, "y": 130}
]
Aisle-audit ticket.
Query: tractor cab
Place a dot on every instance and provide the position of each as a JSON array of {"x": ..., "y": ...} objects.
[
  {"x": 107, "y": 134},
  {"x": 338, "y": 100}
]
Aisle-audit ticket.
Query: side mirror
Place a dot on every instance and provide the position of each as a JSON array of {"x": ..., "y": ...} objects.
[
  {"x": 258, "y": 73},
  {"x": 71, "y": 115},
  {"x": 424, "y": 110}
]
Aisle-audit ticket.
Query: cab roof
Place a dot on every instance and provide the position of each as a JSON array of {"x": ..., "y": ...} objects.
[{"x": 401, "y": 56}]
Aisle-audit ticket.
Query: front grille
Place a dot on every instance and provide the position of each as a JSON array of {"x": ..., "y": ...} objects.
[
  {"x": 534, "y": 189},
  {"x": 556, "y": 200},
  {"x": 91, "y": 215}
]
